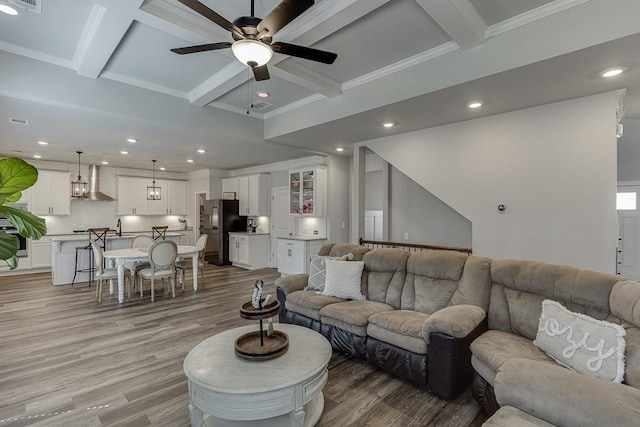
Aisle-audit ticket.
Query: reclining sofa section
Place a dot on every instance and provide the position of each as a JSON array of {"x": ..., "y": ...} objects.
[{"x": 422, "y": 311}]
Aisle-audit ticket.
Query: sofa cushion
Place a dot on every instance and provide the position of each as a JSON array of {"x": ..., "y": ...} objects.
[
  {"x": 309, "y": 303},
  {"x": 384, "y": 275},
  {"x": 582, "y": 343},
  {"x": 344, "y": 279},
  {"x": 402, "y": 328},
  {"x": 518, "y": 288},
  {"x": 340, "y": 249},
  {"x": 352, "y": 316},
  {"x": 318, "y": 271},
  {"x": 508, "y": 416},
  {"x": 493, "y": 348}
]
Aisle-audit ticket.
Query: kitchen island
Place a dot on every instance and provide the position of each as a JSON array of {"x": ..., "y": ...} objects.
[{"x": 63, "y": 253}]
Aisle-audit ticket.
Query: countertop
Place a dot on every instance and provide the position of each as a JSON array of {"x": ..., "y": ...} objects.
[
  {"x": 305, "y": 238},
  {"x": 69, "y": 237},
  {"x": 248, "y": 234}
]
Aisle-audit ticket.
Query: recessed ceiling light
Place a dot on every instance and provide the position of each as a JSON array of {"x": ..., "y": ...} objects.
[
  {"x": 37, "y": 156},
  {"x": 163, "y": 168},
  {"x": 124, "y": 152},
  {"x": 612, "y": 72},
  {"x": 8, "y": 9},
  {"x": 132, "y": 140},
  {"x": 474, "y": 104},
  {"x": 105, "y": 163},
  {"x": 262, "y": 94},
  {"x": 388, "y": 124},
  {"x": 340, "y": 149},
  {"x": 200, "y": 150},
  {"x": 189, "y": 160},
  {"x": 43, "y": 142}
]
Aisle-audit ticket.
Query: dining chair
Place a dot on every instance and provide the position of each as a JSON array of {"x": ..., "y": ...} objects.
[
  {"x": 101, "y": 274},
  {"x": 140, "y": 241},
  {"x": 162, "y": 258},
  {"x": 183, "y": 265}
]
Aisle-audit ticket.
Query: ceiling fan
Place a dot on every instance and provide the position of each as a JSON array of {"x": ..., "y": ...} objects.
[{"x": 252, "y": 45}]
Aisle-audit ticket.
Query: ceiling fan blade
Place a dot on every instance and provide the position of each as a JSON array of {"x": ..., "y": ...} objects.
[
  {"x": 282, "y": 14},
  {"x": 201, "y": 48},
  {"x": 261, "y": 73},
  {"x": 304, "y": 52},
  {"x": 203, "y": 10}
]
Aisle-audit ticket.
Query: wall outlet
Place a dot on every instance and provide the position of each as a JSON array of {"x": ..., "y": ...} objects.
[
  {"x": 344, "y": 225},
  {"x": 406, "y": 236}
]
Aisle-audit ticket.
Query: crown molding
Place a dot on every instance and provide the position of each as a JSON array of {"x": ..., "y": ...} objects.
[
  {"x": 144, "y": 84},
  {"x": 38, "y": 56},
  {"x": 532, "y": 16}
]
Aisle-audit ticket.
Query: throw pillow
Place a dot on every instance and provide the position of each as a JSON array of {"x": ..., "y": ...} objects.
[
  {"x": 318, "y": 271},
  {"x": 343, "y": 279},
  {"x": 581, "y": 343}
]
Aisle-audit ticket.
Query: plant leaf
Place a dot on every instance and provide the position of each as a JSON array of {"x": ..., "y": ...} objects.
[
  {"x": 16, "y": 175},
  {"x": 28, "y": 224},
  {"x": 9, "y": 246},
  {"x": 13, "y": 197}
]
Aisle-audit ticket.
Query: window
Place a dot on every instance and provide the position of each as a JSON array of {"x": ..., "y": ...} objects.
[{"x": 626, "y": 201}]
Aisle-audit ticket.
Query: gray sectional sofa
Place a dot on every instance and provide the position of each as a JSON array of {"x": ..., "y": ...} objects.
[
  {"x": 422, "y": 310},
  {"x": 439, "y": 318},
  {"x": 517, "y": 291}
]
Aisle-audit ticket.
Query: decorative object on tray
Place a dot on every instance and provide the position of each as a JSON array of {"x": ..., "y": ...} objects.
[{"x": 262, "y": 344}]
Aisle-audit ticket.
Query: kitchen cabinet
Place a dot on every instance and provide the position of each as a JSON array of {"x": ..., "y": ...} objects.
[
  {"x": 252, "y": 193},
  {"x": 51, "y": 194},
  {"x": 132, "y": 197},
  {"x": 308, "y": 191},
  {"x": 249, "y": 250},
  {"x": 293, "y": 255},
  {"x": 40, "y": 253}
]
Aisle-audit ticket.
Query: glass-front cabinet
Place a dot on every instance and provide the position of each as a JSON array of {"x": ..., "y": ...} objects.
[{"x": 307, "y": 191}]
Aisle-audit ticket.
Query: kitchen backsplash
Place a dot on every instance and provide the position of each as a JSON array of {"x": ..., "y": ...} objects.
[{"x": 307, "y": 226}]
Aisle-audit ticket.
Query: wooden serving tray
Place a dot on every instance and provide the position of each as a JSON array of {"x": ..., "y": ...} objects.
[
  {"x": 248, "y": 346},
  {"x": 247, "y": 311}
]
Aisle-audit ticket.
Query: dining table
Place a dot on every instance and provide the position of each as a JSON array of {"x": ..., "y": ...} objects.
[{"x": 121, "y": 256}]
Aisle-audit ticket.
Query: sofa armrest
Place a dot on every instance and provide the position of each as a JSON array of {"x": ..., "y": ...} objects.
[
  {"x": 457, "y": 321},
  {"x": 292, "y": 283},
  {"x": 563, "y": 397}
]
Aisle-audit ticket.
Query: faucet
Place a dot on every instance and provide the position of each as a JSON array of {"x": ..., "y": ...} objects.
[{"x": 119, "y": 225}]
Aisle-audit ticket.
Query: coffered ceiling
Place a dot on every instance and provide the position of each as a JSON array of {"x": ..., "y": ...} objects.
[{"x": 86, "y": 74}]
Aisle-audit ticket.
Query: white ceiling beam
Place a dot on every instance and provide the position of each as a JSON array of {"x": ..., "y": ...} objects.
[
  {"x": 317, "y": 23},
  {"x": 459, "y": 19},
  {"x": 174, "y": 20},
  {"x": 307, "y": 78},
  {"x": 108, "y": 24}
]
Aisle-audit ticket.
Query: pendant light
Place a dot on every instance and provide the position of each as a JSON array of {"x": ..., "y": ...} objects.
[
  {"x": 153, "y": 191},
  {"x": 79, "y": 187}
]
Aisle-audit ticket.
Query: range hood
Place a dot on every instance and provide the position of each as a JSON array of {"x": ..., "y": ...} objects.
[{"x": 94, "y": 193}]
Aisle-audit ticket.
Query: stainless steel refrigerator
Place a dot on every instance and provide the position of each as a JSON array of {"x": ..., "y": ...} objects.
[{"x": 218, "y": 218}]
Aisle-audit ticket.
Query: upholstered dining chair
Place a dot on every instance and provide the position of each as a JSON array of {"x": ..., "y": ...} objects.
[
  {"x": 183, "y": 265},
  {"x": 140, "y": 241},
  {"x": 162, "y": 260},
  {"x": 101, "y": 274}
]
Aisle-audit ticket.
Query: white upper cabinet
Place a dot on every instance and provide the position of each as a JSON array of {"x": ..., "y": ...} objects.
[
  {"x": 252, "y": 193},
  {"x": 132, "y": 197},
  {"x": 308, "y": 191},
  {"x": 51, "y": 194}
]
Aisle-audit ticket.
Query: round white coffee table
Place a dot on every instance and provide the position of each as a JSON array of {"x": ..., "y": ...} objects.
[{"x": 286, "y": 391}]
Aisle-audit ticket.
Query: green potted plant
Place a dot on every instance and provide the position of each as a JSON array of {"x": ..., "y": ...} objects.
[{"x": 15, "y": 176}]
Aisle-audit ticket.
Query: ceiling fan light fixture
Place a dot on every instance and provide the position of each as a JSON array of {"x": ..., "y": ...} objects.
[{"x": 252, "y": 51}]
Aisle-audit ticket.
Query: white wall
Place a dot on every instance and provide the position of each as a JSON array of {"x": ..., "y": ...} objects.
[
  {"x": 553, "y": 167},
  {"x": 629, "y": 152}
]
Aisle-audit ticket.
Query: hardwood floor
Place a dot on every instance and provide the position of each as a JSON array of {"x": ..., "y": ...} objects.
[{"x": 67, "y": 361}]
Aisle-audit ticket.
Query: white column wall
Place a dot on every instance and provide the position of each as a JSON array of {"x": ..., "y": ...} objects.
[{"x": 553, "y": 167}]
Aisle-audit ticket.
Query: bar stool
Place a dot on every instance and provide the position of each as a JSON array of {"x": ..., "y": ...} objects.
[
  {"x": 99, "y": 235},
  {"x": 159, "y": 232}
]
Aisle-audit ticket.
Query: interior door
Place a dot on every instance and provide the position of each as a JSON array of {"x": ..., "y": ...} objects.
[
  {"x": 629, "y": 232},
  {"x": 281, "y": 221}
]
